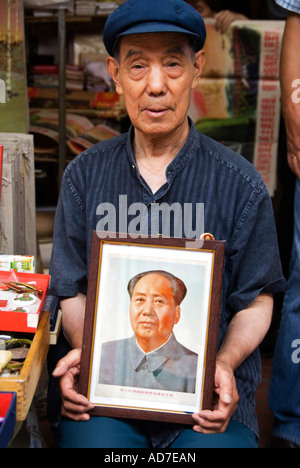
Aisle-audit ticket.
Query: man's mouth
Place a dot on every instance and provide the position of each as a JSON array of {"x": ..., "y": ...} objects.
[
  {"x": 160, "y": 112},
  {"x": 147, "y": 323}
]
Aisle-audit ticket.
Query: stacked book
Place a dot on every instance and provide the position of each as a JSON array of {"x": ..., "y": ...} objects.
[
  {"x": 94, "y": 7},
  {"x": 238, "y": 98}
]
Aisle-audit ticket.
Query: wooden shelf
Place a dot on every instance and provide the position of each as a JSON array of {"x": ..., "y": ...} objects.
[
  {"x": 69, "y": 19},
  {"x": 63, "y": 21},
  {"x": 25, "y": 384}
]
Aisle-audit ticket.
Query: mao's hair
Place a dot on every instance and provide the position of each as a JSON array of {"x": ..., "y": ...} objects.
[{"x": 178, "y": 287}]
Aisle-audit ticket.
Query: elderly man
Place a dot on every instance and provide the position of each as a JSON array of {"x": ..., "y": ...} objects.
[
  {"x": 156, "y": 60},
  {"x": 152, "y": 357}
]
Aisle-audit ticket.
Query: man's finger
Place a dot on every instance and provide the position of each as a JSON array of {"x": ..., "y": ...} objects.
[{"x": 72, "y": 359}]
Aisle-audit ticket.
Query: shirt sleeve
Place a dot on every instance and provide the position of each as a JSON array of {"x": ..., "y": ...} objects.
[
  {"x": 253, "y": 254},
  {"x": 68, "y": 265},
  {"x": 291, "y": 5}
]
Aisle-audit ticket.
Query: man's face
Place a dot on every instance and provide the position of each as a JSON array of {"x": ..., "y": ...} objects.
[
  {"x": 156, "y": 74},
  {"x": 153, "y": 312}
]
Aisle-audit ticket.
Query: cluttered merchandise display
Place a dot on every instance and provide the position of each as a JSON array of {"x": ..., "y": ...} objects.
[{"x": 22, "y": 296}]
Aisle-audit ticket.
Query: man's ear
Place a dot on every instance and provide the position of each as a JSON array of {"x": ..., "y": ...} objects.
[
  {"x": 113, "y": 69},
  {"x": 198, "y": 67},
  {"x": 177, "y": 314}
]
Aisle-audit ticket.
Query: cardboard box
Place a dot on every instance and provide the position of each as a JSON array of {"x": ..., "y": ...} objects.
[
  {"x": 20, "y": 263},
  {"x": 25, "y": 384},
  {"x": 20, "y": 321},
  {"x": 8, "y": 412},
  {"x": 18, "y": 204}
]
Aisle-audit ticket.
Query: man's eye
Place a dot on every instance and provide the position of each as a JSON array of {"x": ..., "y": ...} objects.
[{"x": 173, "y": 64}]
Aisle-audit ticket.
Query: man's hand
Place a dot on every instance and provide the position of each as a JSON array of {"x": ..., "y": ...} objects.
[
  {"x": 293, "y": 153},
  {"x": 216, "y": 421},
  {"x": 224, "y": 19},
  {"x": 244, "y": 334},
  {"x": 74, "y": 405}
]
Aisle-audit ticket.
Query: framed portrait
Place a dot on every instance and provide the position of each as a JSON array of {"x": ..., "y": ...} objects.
[{"x": 151, "y": 327}]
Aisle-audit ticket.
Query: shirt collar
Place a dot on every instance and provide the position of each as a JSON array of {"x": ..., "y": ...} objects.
[
  {"x": 185, "y": 155},
  {"x": 152, "y": 360}
]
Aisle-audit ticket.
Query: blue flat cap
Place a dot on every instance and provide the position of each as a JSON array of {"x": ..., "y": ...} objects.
[{"x": 150, "y": 16}]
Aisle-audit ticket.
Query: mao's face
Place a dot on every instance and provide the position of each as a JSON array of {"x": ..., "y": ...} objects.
[{"x": 153, "y": 312}]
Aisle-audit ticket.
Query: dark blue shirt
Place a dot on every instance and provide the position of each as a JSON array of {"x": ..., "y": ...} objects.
[{"x": 237, "y": 209}]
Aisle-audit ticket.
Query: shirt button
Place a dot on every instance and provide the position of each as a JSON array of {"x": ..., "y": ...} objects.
[{"x": 144, "y": 366}]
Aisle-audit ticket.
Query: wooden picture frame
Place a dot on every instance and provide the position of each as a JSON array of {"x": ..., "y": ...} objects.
[{"x": 118, "y": 373}]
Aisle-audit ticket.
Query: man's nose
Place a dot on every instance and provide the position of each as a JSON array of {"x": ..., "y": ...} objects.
[
  {"x": 148, "y": 308},
  {"x": 157, "y": 84}
]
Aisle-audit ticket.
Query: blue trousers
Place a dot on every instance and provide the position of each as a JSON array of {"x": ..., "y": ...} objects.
[
  {"x": 284, "y": 395},
  {"x": 106, "y": 433}
]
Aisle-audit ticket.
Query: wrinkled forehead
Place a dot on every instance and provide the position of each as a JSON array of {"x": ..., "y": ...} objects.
[{"x": 165, "y": 43}]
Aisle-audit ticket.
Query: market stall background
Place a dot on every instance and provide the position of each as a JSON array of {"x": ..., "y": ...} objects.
[{"x": 237, "y": 102}]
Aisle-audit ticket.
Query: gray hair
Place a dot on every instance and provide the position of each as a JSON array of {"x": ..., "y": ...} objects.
[{"x": 178, "y": 287}]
